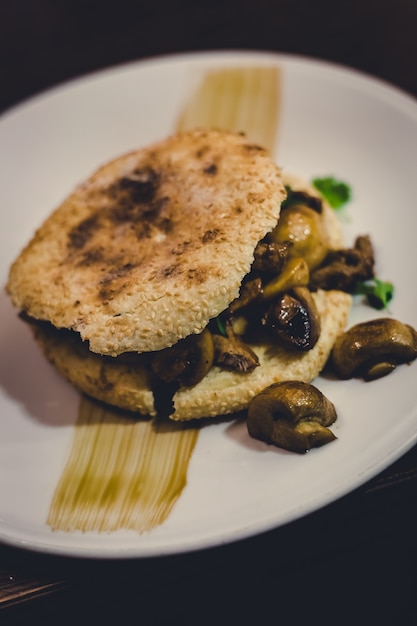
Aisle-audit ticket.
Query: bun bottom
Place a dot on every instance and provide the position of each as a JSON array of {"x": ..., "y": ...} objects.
[{"x": 126, "y": 382}]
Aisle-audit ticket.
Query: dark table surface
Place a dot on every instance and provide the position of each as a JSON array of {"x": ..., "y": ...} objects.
[{"x": 355, "y": 561}]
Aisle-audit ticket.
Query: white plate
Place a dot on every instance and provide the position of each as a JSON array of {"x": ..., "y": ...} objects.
[{"x": 333, "y": 121}]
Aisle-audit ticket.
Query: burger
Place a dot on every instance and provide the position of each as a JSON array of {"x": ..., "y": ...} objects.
[{"x": 177, "y": 279}]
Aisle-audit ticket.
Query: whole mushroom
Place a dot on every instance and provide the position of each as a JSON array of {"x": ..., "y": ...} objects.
[
  {"x": 373, "y": 349},
  {"x": 293, "y": 415}
]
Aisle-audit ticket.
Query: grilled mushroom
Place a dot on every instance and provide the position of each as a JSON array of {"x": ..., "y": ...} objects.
[
  {"x": 305, "y": 229},
  {"x": 291, "y": 415},
  {"x": 294, "y": 319},
  {"x": 188, "y": 361},
  {"x": 343, "y": 269},
  {"x": 232, "y": 353},
  {"x": 295, "y": 273},
  {"x": 370, "y": 350},
  {"x": 270, "y": 257},
  {"x": 250, "y": 291}
]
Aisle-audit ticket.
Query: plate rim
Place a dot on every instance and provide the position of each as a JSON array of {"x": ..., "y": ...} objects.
[{"x": 408, "y": 101}]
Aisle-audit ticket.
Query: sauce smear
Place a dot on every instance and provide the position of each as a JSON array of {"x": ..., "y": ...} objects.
[
  {"x": 121, "y": 472},
  {"x": 241, "y": 99}
]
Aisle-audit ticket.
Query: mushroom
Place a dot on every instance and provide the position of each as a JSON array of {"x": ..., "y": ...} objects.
[
  {"x": 294, "y": 319},
  {"x": 302, "y": 197},
  {"x": 373, "y": 349},
  {"x": 343, "y": 269},
  {"x": 232, "y": 353},
  {"x": 187, "y": 361},
  {"x": 293, "y": 415},
  {"x": 306, "y": 230},
  {"x": 270, "y": 257},
  {"x": 295, "y": 273},
  {"x": 250, "y": 291}
]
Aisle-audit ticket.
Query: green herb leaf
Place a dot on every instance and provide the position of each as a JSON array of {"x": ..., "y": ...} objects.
[
  {"x": 378, "y": 292},
  {"x": 221, "y": 327},
  {"x": 336, "y": 192}
]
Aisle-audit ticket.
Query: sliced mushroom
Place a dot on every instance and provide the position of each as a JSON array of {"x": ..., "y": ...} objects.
[
  {"x": 306, "y": 230},
  {"x": 239, "y": 324},
  {"x": 295, "y": 273},
  {"x": 293, "y": 415},
  {"x": 232, "y": 353},
  {"x": 188, "y": 361},
  {"x": 343, "y": 269},
  {"x": 250, "y": 291},
  {"x": 294, "y": 319},
  {"x": 270, "y": 257},
  {"x": 370, "y": 350}
]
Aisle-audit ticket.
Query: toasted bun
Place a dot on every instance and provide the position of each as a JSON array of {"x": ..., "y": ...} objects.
[
  {"x": 120, "y": 381},
  {"x": 127, "y": 385},
  {"x": 153, "y": 245}
]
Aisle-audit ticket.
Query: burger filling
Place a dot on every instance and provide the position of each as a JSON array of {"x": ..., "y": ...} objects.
[{"x": 275, "y": 304}]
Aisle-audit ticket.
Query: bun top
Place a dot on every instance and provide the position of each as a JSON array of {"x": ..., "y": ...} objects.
[{"x": 154, "y": 244}]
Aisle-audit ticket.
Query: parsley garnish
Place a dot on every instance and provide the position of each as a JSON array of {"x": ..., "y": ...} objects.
[
  {"x": 336, "y": 192},
  {"x": 220, "y": 326},
  {"x": 378, "y": 292}
]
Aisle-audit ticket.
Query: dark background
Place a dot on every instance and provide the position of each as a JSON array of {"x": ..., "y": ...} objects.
[
  {"x": 43, "y": 42},
  {"x": 355, "y": 561}
]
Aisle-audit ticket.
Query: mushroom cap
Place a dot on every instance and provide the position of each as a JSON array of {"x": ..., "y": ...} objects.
[
  {"x": 292, "y": 414},
  {"x": 383, "y": 342}
]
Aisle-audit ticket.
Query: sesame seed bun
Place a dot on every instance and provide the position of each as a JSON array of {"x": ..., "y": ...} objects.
[
  {"x": 153, "y": 245},
  {"x": 146, "y": 252}
]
